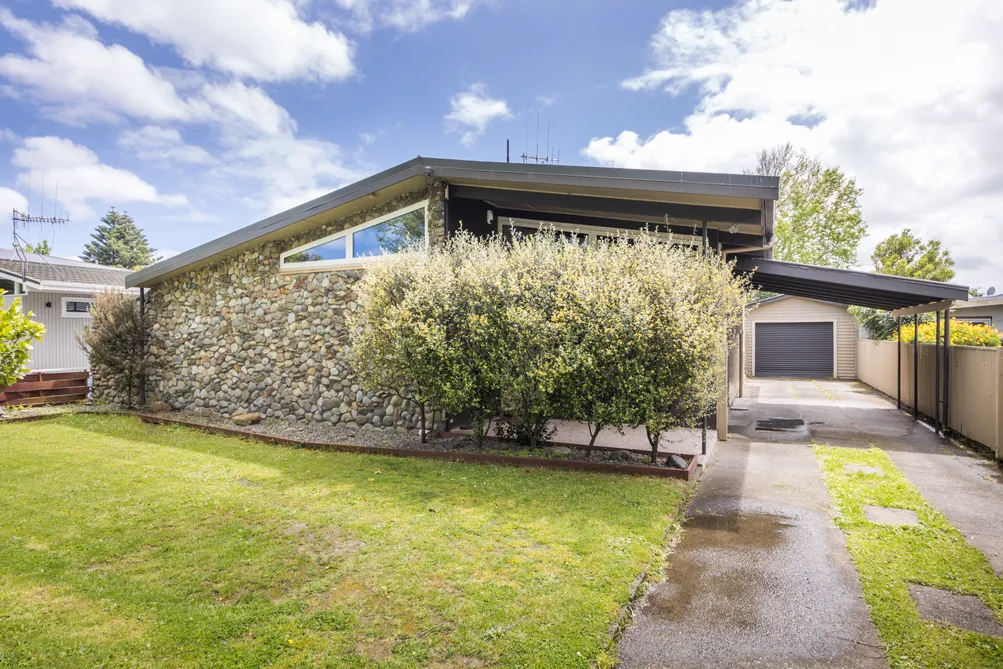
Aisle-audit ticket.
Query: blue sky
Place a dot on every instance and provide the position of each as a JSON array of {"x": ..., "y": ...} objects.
[{"x": 202, "y": 116}]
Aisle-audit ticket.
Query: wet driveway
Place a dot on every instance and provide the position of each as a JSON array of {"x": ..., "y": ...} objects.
[{"x": 761, "y": 577}]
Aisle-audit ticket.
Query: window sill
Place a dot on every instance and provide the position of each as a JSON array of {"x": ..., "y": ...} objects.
[{"x": 330, "y": 266}]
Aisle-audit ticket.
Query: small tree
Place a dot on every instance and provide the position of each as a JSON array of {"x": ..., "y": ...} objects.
[
  {"x": 690, "y": 302},
  {"x": 818, "y": 213},
  {"x": 604, "y": 319},
  {"x": 17, "y": 332},
  {"x": 118, "y": 242},
  {"x": 116, "y": 342},
  {"x": 43, "y": 248},
  {"x": 904, "y": 254},
  {"x": 398, "y": 338}
]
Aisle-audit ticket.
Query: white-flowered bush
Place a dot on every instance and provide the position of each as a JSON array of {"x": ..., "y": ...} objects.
[{"x": 614, "y": 333}]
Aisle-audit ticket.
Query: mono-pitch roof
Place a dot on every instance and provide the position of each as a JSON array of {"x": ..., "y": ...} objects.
[
  {"x": 865, "y": 289},
  {"x": 696, "y": 188}
]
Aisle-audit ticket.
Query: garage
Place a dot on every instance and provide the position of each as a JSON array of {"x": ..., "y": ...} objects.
[
  {"x": 800, "y": 338},
  {"x": 803, "y": 350}
]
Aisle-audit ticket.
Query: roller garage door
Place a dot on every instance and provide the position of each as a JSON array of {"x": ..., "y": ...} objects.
[{"x": 802, "y": 350}]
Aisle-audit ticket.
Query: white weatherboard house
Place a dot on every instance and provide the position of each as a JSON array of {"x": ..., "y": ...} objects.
[{"x": 60, "y": 293}]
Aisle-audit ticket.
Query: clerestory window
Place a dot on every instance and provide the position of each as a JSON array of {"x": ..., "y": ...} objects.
[{"x": 350, "y": 249}]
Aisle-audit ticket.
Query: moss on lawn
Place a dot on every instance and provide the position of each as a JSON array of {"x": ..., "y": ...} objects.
[
  {"x": 128, "y": 545},
  {"x": 889, "y": 558}
]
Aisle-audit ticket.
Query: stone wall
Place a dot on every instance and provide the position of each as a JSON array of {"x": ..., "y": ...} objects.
[{"x": 238, "y": 336}]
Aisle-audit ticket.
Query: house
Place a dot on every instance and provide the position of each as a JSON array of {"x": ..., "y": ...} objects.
[
  {"x": 59, "y": 292},
  {"x": 799, "y": 337},
  {"x": 255, "y": 320},
  {"x": 986, "y": 310}
]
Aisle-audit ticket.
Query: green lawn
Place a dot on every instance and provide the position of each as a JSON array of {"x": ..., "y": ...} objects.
[
  {"x": 888, "y": 558},
  {"x": 127, "y": 545}
]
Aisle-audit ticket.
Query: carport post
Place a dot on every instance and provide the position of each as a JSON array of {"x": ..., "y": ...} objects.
[
  {"x": 898, "y": 325},
  {"x": 936, "y": 377},
  {"x": 915, "y": 367},
  {"x": 947, "y": 368}
]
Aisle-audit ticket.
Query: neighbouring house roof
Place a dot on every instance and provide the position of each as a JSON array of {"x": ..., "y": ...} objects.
[
  {"x": 865, "y": 289},
  {"x": 695, "y": 188},
  {"x": 979, "y": 302},
  {"x": 50, "y": 273}
]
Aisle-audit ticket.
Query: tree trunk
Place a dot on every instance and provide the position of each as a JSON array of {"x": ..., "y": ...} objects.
[
  {"x": 423, "y": 430},
  {"x": 653, "y": 440},
  {"x": 592, "y": 439},
  {"x": 479, "y": 430}
]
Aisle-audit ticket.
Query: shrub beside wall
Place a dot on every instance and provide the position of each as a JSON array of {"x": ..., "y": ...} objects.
[
  {"x": 116, "y": 342},
  {"x": 616, "y": 333}
]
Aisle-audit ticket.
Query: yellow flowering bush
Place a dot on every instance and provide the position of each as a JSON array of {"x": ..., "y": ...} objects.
[{"x": 962, "y": 334}]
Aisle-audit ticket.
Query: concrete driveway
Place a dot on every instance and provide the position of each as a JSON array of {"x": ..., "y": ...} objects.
[{"x": 761, "y": 577}]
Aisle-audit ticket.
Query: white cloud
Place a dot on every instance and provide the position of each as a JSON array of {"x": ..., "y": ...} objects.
[
  {"x": 153, "y": 142},
  {"x": 77, "y": 78},
  {"x": 473, "y": 111},
  {"x": 265, "y": 40},
  {"x": 9, "y": 200},
  {"x": 413, "y": 15},
  {"x": 247, "y": 110},
  {"x": 82, "y": 177},
  {"x": 290, "y": 170},
  {"x": 906, "y": 96}
]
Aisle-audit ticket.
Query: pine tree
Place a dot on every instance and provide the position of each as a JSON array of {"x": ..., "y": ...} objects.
[{"x": 118, "y": 242}]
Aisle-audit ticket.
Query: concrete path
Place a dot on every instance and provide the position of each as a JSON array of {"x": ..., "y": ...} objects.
[{"x": 761, "y": 577}]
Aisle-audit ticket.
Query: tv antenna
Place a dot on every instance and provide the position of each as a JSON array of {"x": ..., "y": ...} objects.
[
  {"x": 23, "y": 220},
  {"x": 550, "y": 156}
]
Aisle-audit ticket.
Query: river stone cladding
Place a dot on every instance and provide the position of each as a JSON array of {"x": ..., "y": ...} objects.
[{"x": 237, "y": 336}]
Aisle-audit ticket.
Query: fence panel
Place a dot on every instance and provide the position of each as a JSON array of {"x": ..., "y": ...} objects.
[{"x": 976, "y": 400}]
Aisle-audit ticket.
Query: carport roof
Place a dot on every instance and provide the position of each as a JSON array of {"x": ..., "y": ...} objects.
[{"x": 879, "y": 291}]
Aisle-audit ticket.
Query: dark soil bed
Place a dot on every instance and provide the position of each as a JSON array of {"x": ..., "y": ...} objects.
[{"x": 310, "y": 434}]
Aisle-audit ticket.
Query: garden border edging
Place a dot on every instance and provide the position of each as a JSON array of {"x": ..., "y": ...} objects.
[{"x": 484, "y": 458}]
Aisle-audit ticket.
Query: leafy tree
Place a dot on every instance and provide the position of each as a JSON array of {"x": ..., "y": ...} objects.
[
  {"x": 116, "y": 341},
  {"x": 904, "y": 254},
  {"x": 43, "y": 248},
  {"x": 118, "y": 242},
  {"x": 818, "y": 214},
  {"x": 17, "y": 332}
]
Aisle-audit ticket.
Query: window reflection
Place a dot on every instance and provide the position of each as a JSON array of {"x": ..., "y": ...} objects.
[
  {"x": 391, "y": 236},
  {"x": 334, "y": 249}
]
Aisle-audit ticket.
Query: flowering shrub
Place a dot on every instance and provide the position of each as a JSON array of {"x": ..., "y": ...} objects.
[
  {"x": 621, "y": 332},
  {"x": 962, "y": 334},
  {"x": 17, "y": 332}
]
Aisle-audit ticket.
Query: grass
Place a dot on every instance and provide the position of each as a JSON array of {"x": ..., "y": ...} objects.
[
  {"x": 127, "y": 545},
  {"x": 889, "y": 558}
]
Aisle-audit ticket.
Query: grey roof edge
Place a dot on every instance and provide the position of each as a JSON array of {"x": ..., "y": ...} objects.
[
  {"x": 700, "y": 183},
  {"x": 857, "y": 278},
  {"x": 778, "y": 298},
  {"x": 982, "y": 301}
]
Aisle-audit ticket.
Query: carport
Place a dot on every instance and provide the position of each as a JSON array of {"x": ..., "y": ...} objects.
[{"x": 902, "y": 296}]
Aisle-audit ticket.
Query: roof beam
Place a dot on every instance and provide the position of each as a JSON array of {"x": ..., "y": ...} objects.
[
  {"x": 924, "y": 308},
  {"x": 642, "y": 210}
]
